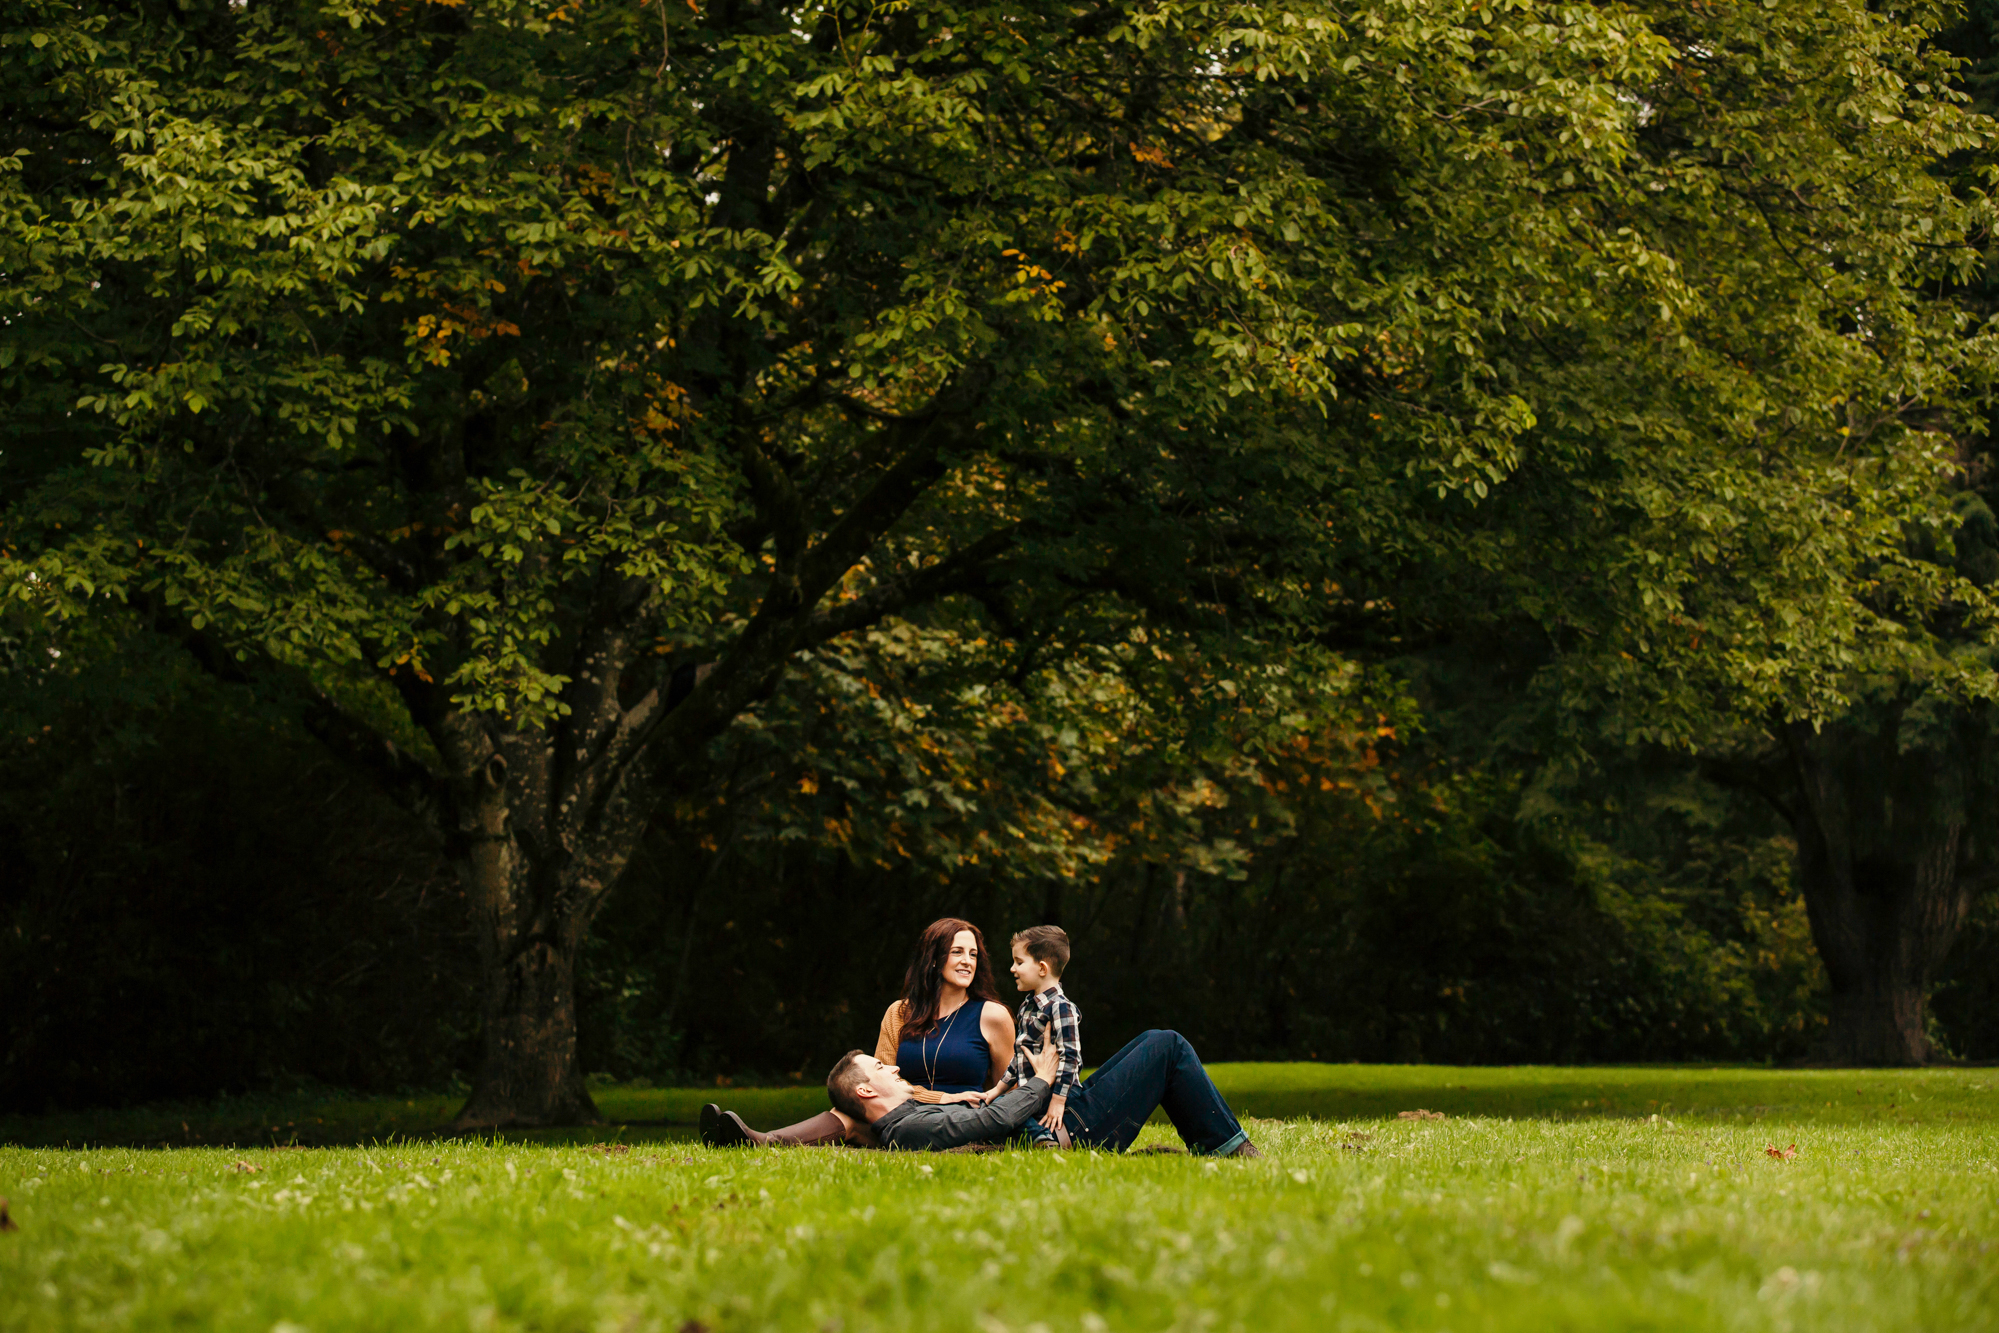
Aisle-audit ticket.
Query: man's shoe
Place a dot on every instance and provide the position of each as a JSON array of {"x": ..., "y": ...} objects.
[
  {"x": 1246, "y": 1149},
  {"x": 725, "y": 1129}
]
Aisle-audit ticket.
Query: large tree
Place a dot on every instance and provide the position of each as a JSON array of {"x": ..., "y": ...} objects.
[
  {"x": 1892, "y": 797},
  {"x": 525, "y": 385},
  {"x": 1738, "y": 526}
]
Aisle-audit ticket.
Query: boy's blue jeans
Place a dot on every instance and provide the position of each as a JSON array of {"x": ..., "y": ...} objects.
[{"x": 1156, "y": 1070}]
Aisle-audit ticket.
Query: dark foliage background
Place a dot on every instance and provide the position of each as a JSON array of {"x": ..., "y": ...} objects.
[
  {"x": 1472, "y": 936},
  {"x": 192, "y": 900}
]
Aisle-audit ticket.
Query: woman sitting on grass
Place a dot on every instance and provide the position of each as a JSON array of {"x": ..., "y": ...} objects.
[{"x": 949, "y": 1033}]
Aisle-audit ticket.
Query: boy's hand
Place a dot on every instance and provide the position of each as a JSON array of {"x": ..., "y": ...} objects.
[
  {"x": 1045, "y": 1061},
  {"x": 1052, "y": 1119}
]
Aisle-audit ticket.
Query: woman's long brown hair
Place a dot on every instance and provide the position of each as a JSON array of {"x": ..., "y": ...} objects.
[{"x": 923, "y": 984}]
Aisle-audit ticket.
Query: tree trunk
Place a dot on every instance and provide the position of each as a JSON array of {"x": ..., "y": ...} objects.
[
  {"x": 1882, "y": 853},
  {"x": 1878, "y": 1020},
  {"x": 530, "y": 928},
  {"x": 535, "y": 877},
  {"x": 1867, "y": 923},
  {"x": 528, "y": 1073}
]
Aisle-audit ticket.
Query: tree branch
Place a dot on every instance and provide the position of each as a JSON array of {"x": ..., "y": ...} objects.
[
  {"x": 961, "y": 571},
  {"x": 752, "y": 666}
]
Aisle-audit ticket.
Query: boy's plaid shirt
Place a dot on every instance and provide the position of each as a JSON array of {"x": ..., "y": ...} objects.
[{"x": 1051, "y": 1009}]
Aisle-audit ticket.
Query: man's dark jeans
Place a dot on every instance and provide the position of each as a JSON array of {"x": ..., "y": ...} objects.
[{"x": 1156, "y": 1070}]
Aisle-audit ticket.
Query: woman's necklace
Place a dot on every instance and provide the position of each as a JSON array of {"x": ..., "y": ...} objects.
[{"x": 923, "y": 1046}]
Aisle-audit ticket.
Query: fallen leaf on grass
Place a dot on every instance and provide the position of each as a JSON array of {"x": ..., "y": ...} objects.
[
  {"x": 611, "y": 1149},
  {"x": 240, "y": 1165},
  {"x": 1157, "y": 1149},
  {"x": 7, "y": 1223},
  {"x": 1782, "y": 1154},
  {"x": 1420, "y": 1114}
]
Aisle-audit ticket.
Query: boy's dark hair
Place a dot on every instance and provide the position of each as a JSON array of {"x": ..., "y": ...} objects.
[
  {"x": 1045, "y": 944},
  {"x": 840, "y": 1085}
]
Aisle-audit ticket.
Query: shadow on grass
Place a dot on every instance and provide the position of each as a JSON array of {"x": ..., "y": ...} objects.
[{"x": 1267, "y": 1091}]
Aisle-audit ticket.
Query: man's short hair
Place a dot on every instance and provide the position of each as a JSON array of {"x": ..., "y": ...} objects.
[
  {"x": 1045, "y": 944},
  {"x": 840, "y": 1084}
]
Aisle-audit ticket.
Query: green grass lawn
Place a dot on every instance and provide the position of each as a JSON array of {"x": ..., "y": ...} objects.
[{"x": 1551, "y": 1198}]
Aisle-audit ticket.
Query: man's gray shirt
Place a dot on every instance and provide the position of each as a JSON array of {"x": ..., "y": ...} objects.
[{"x": 919, "y": 1126}]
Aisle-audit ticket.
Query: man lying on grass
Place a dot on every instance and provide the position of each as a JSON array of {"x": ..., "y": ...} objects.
[{"x": 1156, "y": 1070}]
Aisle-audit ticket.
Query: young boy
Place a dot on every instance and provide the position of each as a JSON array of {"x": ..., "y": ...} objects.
[{"x": 1039, "y": 955}]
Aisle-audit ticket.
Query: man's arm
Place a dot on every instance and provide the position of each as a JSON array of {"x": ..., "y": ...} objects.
[
  {"x": 938, "y": 1127},
  {"x": 941, "y": 1127},
  {"x": 1018, "y": 1070}
]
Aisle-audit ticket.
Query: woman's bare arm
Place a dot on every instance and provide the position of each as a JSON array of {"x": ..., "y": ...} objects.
[{"x": 997, "y": 1026}]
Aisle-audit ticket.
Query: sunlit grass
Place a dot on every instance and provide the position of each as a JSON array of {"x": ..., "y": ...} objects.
[{"x": 1580, "y": 1217}]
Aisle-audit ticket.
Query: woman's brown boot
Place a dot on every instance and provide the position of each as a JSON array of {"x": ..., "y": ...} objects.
[
  {"x": 822, "y": 1130},
  {"x": 725, "y": 1129}
]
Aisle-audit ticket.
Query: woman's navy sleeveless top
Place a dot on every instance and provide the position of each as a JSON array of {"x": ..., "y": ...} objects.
[{"x": 953, "y": 1056}]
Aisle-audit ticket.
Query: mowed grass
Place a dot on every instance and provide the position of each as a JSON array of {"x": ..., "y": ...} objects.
[{"x": 1529, "y": 1211}]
